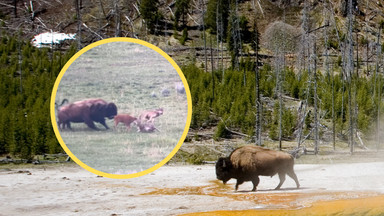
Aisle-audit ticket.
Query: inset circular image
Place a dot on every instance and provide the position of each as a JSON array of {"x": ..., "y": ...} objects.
[{"x": 121, "y": 108}]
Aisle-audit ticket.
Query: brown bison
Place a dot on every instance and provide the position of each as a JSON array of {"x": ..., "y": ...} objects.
[
  {"x": 248, "y": 162},
  {"x": 87, "y": 111},
  {"x": 126, "y": 119}
]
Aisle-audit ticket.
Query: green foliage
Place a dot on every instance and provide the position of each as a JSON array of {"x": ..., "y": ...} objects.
[
  {"x": 182, "y": 7},
  {"x": 220, "y": 9},
  {"x": 221, "y": 131},
  {"x": 184, "y": 37},
  {"x": 288, "y": 124},
  {"x": 235, "y": 102},
  {"x": 149, "y": 10},
  {"x": 332, "y": 43},
  {"x": 25, "y": 92},
  {"x": 244, "y": 30}
]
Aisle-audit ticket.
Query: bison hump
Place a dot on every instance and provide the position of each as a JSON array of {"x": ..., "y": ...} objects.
[{"x": 255, "y": 158}]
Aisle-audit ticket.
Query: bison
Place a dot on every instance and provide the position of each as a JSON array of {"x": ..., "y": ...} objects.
[
  {"x": 87, "y": 111},
  {"x": 248, "y": 162}
]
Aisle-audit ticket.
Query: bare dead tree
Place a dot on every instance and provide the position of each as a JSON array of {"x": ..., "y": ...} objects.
[
  {"x": 234, "y": 42},
  {"x": 102, "y": 8},
  {"x": 377, "y": 93},
  {"x": 212, "y": 72},
  {"x": 303, "y": 53},
  {"x": 204, "y": 37},
  {"x": 258, "y": 102},
  {"x": 314, "y": 69},
  {"x": 78, "y": 18},
  {"x": 349, "y": 72},
  {"x": 326, "y": 15},
  {"x": 117, "y": 18}
]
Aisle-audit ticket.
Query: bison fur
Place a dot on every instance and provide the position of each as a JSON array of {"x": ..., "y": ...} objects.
[
  {"x": 87, "y": 111},
  {"x": 247, "y": 163}
]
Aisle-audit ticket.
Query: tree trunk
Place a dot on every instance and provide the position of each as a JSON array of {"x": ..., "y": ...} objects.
[
  {"x": 349, "y": 74},
  {"x": 314, "y": 62},
  {"x": 204, "y": 38},
  {"x": 117, "y": 19},
  {"x": 376, "y": 94},
  {"x": 78, "y": 17},
  {"x": 257, "y": 82}
]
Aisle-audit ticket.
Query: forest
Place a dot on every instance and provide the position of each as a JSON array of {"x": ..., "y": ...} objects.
[
  {"x": 262, "y": 69},
  {"x": 27, "y": 75}
]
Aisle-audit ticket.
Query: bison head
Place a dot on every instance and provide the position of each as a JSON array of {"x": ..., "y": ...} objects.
[
  {"x": 101, "y": 110},
  {"x": 111, "y": 111},
  {"x": 223, "y": 169}
]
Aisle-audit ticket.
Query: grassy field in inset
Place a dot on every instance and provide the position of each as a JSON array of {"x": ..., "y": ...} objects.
[{"x": 133, "y": 77}]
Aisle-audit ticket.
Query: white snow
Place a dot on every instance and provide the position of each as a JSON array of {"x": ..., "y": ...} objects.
[{"x": 48, "y": 38}]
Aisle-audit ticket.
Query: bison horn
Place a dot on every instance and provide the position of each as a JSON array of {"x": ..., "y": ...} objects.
[{"x": 224, "y": 163}]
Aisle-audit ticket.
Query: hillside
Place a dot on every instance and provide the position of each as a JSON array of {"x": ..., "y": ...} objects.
[
  {"x": 99, "y": 20},
  {"x": 344, "y": 93}
]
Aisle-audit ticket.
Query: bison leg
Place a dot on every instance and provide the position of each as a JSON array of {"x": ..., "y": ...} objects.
[
  {"x": 255, "y": 182},
  {"x": 90, "y": 124},
  {"x": 103, "y": 123},
  {"x": 282, "y": 179},
  {"x": 294, "y": 177},
  {"x": 239, "y": 182},
  {"x": 68, "y": 125}
]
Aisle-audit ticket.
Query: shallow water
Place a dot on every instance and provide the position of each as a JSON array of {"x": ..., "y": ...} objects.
[
  {"x": 360, "y": 206},
  {"x": 285, "y": 202}
]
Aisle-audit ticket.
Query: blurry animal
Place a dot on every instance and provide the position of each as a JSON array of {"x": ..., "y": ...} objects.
[
  {"x": 165, "y": 92},
  {"x": 179, "y": 86},
  {"x": 146, "y": 127},
  {"x": 87, "y": 111},
  {"x": 126, "y": 119},
  {"x": 57, "y": 105},
  {"x": 153, "y": 94},
  {"x": 149, "y": 116},
  {"x": 248, "y": 162}
]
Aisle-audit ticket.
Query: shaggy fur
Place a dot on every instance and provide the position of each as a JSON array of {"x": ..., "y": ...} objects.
[
  {"x": 247, "y": 163},
  {"x": 87, "y": 111}
]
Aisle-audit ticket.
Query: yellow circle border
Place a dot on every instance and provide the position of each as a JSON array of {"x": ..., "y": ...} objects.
[{"x": 53, "y": 117}]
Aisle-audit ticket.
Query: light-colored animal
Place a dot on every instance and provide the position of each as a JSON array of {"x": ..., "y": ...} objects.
[
  {"x": 146, "y": 127},
  {"x": 126, "y": 119},
  {"x": 248, "y": 162},
  {"x": 179, "y": 86},
  {"x": 165, "y": 92},
  {"x": 149, "y": 116}
]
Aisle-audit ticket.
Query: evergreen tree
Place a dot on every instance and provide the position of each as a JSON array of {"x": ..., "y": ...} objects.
[
  {"x": 149, "y": 9},
  {"x": 182, "y": 7}
]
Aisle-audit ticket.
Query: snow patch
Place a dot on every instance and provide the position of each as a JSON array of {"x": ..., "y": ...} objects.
[{"x": 46, "y": 39}]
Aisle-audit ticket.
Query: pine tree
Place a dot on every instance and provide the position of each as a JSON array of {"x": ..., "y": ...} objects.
[
  {"x": 182, "y": 7},
  {"x": 149, "y": 10}
]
